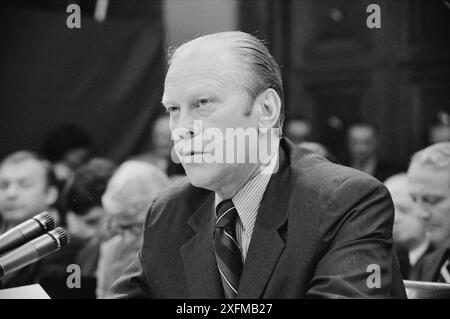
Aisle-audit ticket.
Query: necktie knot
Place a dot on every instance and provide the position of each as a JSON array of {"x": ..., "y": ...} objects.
[{"x": 226, "y": 214}]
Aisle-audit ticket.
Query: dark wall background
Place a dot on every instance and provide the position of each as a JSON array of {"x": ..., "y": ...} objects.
[
  {"x": 336, "y": 70},
  {"x": 108, "y": 77},
  {"x": 105, "y": 77}
]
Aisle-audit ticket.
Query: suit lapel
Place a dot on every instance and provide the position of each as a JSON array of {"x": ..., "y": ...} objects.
[
  {"x": 265, "y": 248},
  {"x": 266, "y": 244},
  {"x": 198, "y": 254}
]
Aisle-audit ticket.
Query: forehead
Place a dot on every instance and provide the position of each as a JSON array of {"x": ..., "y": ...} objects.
[
  {"x": 398, "y": 188},
  {"x": 361, "y": 132},
  {"x": 298, "y": 124},
  {"x": 426, "y": 179},
  {"x": 28, "y": 168},
  {"x": 397, "y": 184},
  {"x": 211, "y": 64}
]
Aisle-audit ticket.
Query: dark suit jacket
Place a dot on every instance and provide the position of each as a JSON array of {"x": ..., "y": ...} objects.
[
  {"x": 383, "y": 169},
  {"x": 417, "y": 272},
  {"x": 318, "y": 229},
  {"x": 429, "y": 267}
]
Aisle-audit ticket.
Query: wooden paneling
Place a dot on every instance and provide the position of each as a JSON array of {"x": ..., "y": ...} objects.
[{"x": 336, "y": 67}]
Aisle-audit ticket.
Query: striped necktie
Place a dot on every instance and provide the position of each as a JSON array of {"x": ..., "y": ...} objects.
[{"x": 228, "y": 253}]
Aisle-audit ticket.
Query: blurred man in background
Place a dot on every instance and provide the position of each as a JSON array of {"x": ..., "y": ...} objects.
[
  {"x": 298, "y": 130},
  {"x": 362, "y": 142},
  {"x": 409, "y": 230},
  {"x": 126, "y": 201},
  {"x": 82, "y": 198},
  {"x": 160, "y": 150},
  {"x": 429, "y": 187},
  {"x": 86, "y": 223},
  {"x": 27, "y": 187}
]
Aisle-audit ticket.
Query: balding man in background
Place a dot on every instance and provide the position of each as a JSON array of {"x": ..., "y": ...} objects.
[
  {"x": 126, "y": 200},
  {"x": 409, "y": 229},
  {"x": 362, "y": 141},
  {"x": 27, "y": 188},
  {"x": 288, "y": 224},
  {"x": 429, "y": 187}
]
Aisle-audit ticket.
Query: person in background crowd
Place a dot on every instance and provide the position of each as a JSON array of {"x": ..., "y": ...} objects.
[
  {"x": 86, "y": 224},
  {"x": 27, "y": 188},
  {"x": 409, "y": 229},
  {"x": 439, "y": 133},
  {"x": 126, "y": 200},
  {"x": 429, "y": 187},
  {"x": 68, "y": 147},
  {"x": 362, "y": 142},
  {"x": 298, "y": 130},
  {"x": 160, "y": 152}
]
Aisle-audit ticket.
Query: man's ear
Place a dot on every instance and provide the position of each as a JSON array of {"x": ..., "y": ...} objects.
[
  {"x": 269, "y": 108},
  {"x": 51, "y": 196}
]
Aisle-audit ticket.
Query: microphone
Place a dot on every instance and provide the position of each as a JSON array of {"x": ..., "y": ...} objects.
[
  {"x": 34, "y": 250},
  {"x": 26, "y": 231}
]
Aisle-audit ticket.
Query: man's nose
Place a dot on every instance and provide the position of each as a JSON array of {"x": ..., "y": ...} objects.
[
  {"x": 11, "y": 191},
  {"x": 423, "y": 211},
  {"x": 183, "y": 127}
]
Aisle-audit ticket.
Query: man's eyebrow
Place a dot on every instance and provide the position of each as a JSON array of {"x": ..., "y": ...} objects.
[
  {"x": 165, "y": 102},
  {"x": 434, "y": 196}
]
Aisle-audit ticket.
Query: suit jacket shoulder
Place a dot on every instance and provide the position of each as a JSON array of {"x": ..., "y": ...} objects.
[{"x": 321, "y": 230}]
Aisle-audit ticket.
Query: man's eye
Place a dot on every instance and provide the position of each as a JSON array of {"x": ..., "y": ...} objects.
[
  {"x": 171, "y": 109},
  {"x": 25, "y": 183},
  {"x": 203, "y": 102},
  {"x": 432, "y": 200}
]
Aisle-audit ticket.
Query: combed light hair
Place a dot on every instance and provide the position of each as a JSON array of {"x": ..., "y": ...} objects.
[
  {"x": 435, "y": 156},
  {"x": 254, "y": 58},
  {"x": 132, "y": 188}
]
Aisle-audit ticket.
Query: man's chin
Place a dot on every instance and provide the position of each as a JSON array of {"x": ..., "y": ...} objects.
[
  {"x": 15, "y": 216},
  {"x": 201, "y": 175}
]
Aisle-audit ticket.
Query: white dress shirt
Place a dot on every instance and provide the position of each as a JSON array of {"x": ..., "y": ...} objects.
[{"x": 247, "y": 201}]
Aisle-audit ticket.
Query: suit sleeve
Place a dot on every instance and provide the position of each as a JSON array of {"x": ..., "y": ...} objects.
[
  {"x": 133, "y": 282},
  {"x": 358, "y": 259}
]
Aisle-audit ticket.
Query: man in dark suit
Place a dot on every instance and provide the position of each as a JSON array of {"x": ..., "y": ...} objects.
[
  {"x": 289, "y": 224},
  {"x": 429, "y": 187},
  {"x": 434, "y": 267},
  {"x": 409, "y": 231}
]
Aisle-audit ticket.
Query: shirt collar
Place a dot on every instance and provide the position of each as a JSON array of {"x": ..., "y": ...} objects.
[
  {"x": 249, "y": 197},
  {"x": 416, "y": 253}
]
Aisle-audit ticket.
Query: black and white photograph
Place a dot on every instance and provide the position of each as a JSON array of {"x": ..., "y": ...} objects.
[{"x": 224, "y": 154}]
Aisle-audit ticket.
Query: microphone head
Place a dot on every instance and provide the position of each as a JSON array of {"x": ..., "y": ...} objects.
[
  {"x": 46, "y": 220},
  {"x": 61, "y": 236}
]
